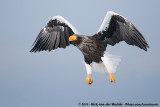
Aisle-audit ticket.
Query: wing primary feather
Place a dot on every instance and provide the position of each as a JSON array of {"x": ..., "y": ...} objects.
[
  {"x": 67, "y": 35},
  {"x": 45, "y": 41},
  {"x": 55, "y": 34},
  {"x": 57, "y": 40},
  {"x": 62, "y": 39},
  {"x": 116, "y": 28},
  {"x": 53, "y": 40},
  {"x": 48, "y": 42},
  {"x": 37, "y": 44},
  {"x": 40, "y": 33}
]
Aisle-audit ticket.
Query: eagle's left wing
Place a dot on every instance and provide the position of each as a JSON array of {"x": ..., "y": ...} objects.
[{"x": 116, "y": 28}]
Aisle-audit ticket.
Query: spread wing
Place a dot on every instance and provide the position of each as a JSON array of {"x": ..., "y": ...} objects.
[
  {"x": 54, "y": 35},
  {"x": 116, "y": 28}
]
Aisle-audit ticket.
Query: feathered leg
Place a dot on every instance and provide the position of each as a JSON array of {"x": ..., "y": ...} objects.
[{"x": 89, "y": 80}]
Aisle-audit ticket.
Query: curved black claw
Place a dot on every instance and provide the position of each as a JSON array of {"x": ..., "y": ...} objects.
[{"x": 90, "y": 82}]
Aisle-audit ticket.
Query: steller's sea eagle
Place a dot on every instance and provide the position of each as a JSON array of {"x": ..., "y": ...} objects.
[{"x": 59, "y": 33}]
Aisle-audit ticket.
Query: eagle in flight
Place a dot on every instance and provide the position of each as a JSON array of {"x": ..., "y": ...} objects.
[{"x": 59, "y": 33}]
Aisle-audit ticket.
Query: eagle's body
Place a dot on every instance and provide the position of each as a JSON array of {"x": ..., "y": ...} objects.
[
  {"x": 91, "y": 47},
  {"x": 59, "y": 33}
]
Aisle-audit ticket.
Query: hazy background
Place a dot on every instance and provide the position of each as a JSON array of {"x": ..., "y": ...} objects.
[{"x": 58, "y": 78}]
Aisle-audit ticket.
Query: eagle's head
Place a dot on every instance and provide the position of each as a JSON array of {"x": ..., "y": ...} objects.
[{"x": 76, "y": 39}]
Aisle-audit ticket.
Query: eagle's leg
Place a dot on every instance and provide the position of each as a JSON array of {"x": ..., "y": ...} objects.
[
  {"x": 111, "y": 78},
  {"x": 88, "y": 78}
]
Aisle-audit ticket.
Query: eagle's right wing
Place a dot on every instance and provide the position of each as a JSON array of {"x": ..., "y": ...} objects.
[{"x": 54, "y": 35}]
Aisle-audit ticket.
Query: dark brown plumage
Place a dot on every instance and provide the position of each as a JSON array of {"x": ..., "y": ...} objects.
[
  {"x": 91, "y": 47},
  {"x": 57, "y": 32},
  {"x": 54, "y": 35}
]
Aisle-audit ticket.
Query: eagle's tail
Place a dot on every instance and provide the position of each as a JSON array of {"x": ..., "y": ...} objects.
[{"x": 111, "y": 62}]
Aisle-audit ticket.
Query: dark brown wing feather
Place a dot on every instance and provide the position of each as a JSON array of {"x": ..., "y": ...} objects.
[
  {"x": 120, "y": 29},
  {"x": 54, "y": 35}
]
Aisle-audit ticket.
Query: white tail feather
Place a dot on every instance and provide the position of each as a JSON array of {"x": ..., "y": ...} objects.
[
  {"x": 111, "y": 62},
  {"x": 108, "y": 65}
]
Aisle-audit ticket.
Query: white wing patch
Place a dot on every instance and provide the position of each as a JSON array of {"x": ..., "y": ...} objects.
[
  {"x": 63, "y": 20},
  {"x": 106, "y": 20}
]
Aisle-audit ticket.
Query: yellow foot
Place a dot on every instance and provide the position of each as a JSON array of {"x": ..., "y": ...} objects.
[
  {"x": 89, "y": 79},
  {"x": 111, "y": 78}
]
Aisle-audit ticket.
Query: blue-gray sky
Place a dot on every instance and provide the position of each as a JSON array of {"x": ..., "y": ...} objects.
[{"x": 57, "y": 78}]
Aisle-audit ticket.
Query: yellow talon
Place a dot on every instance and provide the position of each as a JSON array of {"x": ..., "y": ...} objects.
[
  {"x": 111, "y": 78},
  {"x": 89, "y": 79}
]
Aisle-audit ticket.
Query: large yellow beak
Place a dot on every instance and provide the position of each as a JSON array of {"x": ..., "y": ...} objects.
[{"x": 72, "y": 38}]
